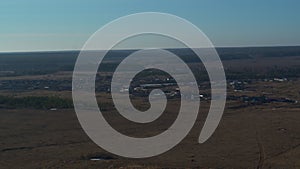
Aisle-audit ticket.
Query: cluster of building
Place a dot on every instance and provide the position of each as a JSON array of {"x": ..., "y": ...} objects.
[{"x": 256, "y": 100}]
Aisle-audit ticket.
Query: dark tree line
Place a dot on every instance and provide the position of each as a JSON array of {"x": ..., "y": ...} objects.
[{"x": 35, "y": 102}]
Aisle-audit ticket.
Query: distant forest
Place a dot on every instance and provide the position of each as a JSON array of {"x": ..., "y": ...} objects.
[
  {"x": 38, "y": 63},
  {"x": 35, "y": 102}
]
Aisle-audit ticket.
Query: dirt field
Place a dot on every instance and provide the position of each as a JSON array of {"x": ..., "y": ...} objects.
[
  {"x": 253, "y": 136},
  {"x": 259, "y": 129}
]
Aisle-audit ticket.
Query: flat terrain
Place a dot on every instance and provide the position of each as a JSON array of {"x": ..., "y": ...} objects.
[
  {"x": 253, "y": 136},
  {"x": 259, "y": 128}
]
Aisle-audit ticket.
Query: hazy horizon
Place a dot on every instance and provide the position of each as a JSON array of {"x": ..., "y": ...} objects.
[{"x": 78, "y": 50}]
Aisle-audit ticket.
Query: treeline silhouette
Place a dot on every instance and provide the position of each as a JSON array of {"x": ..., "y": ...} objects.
[{"x": 35, "y": 102}]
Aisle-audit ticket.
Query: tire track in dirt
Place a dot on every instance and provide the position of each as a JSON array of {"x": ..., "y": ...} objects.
[
  {"x": 41, "y": 146},
  {"x": 262, "y": 153}
]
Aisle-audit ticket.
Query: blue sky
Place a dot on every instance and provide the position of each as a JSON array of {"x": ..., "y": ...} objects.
[{"x": 29, "y": 25}]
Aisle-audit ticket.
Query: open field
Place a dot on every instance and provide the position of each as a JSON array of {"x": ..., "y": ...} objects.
[
  {"x": 259, "y": 128},
  {"x": 263, "y": 135}
]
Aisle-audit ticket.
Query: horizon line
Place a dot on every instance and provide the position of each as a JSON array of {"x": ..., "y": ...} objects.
[{"x": 78, "y": 50}]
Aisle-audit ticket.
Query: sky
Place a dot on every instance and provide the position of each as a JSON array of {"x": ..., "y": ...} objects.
[{"x": 40, "y": 25}]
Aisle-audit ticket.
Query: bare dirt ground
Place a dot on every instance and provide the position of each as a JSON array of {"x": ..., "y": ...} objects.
[{"x": 254, "y": 136}]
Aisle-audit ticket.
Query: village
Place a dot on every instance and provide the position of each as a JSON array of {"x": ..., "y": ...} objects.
[{"x": 237, "y": 89}]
